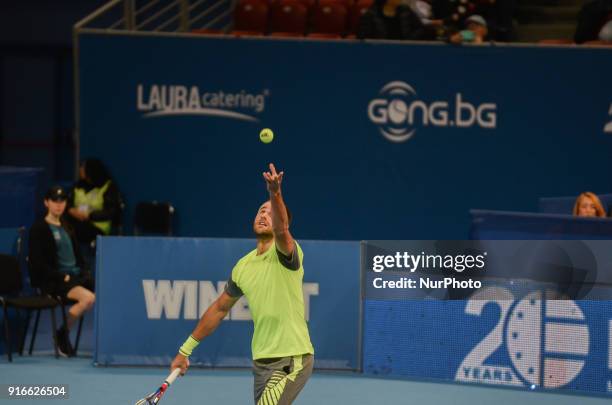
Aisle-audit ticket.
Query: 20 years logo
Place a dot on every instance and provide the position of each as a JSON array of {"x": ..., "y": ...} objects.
[{"x": 547, "y": 341}]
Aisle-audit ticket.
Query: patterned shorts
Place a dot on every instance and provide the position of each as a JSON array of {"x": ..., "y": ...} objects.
[{"x": 278, "y": 381}]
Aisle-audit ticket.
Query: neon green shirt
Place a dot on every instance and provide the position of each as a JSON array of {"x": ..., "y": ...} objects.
[
  {"x": 276, "y": 301},
  {"x": 93, "y": 200}
]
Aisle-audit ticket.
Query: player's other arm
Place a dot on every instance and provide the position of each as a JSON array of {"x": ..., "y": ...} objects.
[
  {"x": 213, "y": 316},
  {"x": 206, "y": 325},
  {"x": 280, "y": 220}
]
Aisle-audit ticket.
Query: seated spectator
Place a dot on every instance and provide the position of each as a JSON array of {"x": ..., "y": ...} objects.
[
  {"x": 588, "y": 205},
  {"x": 593, "y": 16},
  {"x": 95, "y": 202},
  {"x": 475, "y": 32},
  {"x": 389, "y": 19},
  {"x": 55, "y": 260},
  {"x": 429, "y": 25}
]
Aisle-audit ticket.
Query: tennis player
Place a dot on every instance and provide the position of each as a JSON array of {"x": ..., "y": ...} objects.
[{"x": 271, "y": 278}]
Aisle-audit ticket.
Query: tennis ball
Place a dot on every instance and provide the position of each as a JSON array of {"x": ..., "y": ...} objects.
[{"x": 266, "y": 135}]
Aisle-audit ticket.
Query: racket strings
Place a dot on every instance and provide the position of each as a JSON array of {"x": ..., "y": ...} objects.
[{"x": 151, "y": 399}]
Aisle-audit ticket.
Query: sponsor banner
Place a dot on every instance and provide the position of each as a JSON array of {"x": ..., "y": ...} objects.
[
  {"x": 167, "y": 100},
  {"x": 404, "y": 138},
  {"x": 515, "y": 340},
  {"x": 399, "y": 110},
  {"x": 152, "y": 291}
]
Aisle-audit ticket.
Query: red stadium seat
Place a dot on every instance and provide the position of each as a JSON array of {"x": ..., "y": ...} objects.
[
  {"x": 329, "y": 17},
  {"x": 250, "y": 17},
  {"x": 358, "y": 9},
  {"x": 288, "y": 18}
]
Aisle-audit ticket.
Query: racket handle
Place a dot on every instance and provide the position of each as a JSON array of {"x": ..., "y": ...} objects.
[{"x": 175, "y": 373}]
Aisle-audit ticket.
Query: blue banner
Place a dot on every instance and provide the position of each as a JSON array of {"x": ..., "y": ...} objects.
[
  {"x": 21, "y": 195},
  {"x": 509, "y": 340},
  {"x": 152, "y": 291},
  {"x": 377, "y": 140}
]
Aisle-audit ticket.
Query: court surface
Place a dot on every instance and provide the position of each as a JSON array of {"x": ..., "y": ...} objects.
[{"x": 112, "y": 385}]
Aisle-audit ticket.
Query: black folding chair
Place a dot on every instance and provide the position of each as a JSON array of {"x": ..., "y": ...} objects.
[
  {"x": 62, "y": 302},
  {"x": 11, "y": 296}
]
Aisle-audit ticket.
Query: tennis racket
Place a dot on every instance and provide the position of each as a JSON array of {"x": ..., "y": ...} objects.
[{"x": 154, "y": 397}]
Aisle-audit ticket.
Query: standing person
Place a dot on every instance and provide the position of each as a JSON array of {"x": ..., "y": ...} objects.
[
  {"x": 95, "y": 202},
  {"x": 57, "y": 265},
  {"x": 271, "y": 278}
]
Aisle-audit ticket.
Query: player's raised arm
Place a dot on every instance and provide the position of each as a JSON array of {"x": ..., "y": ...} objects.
[{"x": 280, "y": 219}]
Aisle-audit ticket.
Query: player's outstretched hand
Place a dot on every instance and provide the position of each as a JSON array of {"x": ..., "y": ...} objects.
[
  {"x": 181, "y": 362},
  {"x": 273, "y": 179}
]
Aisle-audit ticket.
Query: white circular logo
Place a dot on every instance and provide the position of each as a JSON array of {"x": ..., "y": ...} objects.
[
  {"x": 547, "y": 340},
  {"x": 390, "y": 111}
]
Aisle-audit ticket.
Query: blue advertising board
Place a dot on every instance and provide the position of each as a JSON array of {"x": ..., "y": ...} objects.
[
  {"x": 377, "y": 140},
  {"x": 531, "y": 314},
  {"x": 516, "y": 340},
  {"x": 152, "y": 291}
]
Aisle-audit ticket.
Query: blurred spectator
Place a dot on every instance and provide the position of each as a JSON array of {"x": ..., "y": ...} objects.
[
  {"x": 497, "y": 13},
  {"x": 429, "y": 25},
  {"x": 57, "y": 265},
  {"x": 593, "y": 16},
  {"x": 95, "y": 202},
  {"x": 475, "y": 32},
  {"x": 605, "y": 34},
  {"x": 389, "y": 19},
  {"x": 588, "y": 205}
]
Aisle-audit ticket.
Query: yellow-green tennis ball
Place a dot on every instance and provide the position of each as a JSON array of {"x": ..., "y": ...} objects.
[{"x": 266, "y": 135}]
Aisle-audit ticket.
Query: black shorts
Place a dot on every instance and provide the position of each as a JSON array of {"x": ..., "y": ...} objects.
[{"x": 63, "y": 288}]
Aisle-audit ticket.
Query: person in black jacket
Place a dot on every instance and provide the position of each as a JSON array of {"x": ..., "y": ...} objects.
[
  {"x": 95, "y": 202},
  {"x": 593, "y": 16},
  {"x": 56, "y": 264},
  {"x": 389, "y": 19}
]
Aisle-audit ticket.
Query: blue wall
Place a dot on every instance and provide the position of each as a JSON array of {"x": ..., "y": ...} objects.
[
  {"x": 344, "y": 180},
  {"x": 36, "y": 80}
]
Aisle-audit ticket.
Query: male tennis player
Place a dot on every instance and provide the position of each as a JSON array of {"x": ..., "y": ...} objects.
[{"x": 271, "y": 278}]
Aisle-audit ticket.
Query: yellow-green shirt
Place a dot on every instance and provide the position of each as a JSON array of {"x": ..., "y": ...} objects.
[{"x": 276, "y": 300}]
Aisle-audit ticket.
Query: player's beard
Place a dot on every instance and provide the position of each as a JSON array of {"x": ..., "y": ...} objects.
[{"x": 267, "y": 234}]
